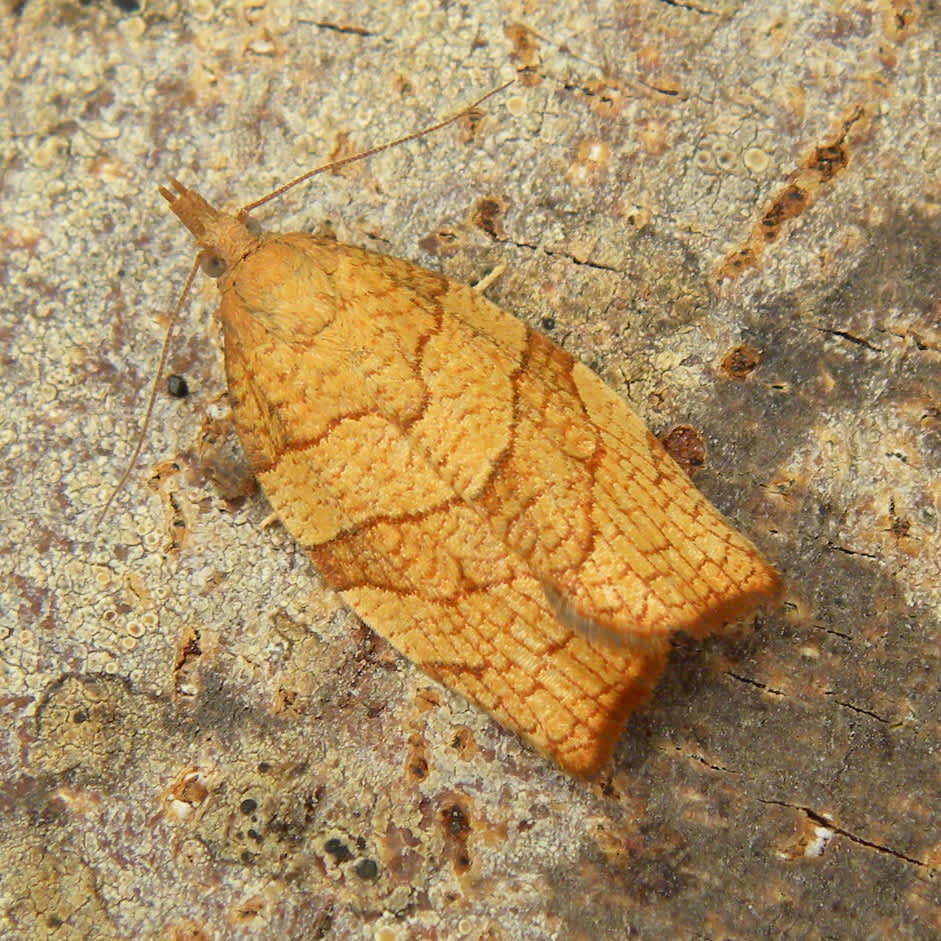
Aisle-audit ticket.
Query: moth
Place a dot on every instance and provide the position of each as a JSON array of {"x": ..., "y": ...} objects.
[{"x": 478, "y": 497}]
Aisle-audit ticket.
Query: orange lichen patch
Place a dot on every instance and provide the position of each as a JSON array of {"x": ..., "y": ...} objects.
[
  {"x": 189, "y": 652},
  {"x": 686, "y": 446},
  {"x": 653, "y": 136},
  {"x": 416, "y": 765},
  {"x": 656, "y": 71},
  {"x": 740, "y": 362},
  {"x": 463, "y": 742},
  {"x": 591, "y": 162},
  {"x": 478, "y": 497},
  {"x": 454, "y": 819},
  {"x": 249, "y": 912},
  {"x": 186, "y": 930},
  {"x": 164, "y": 481},
  {"x": 186, "y": 796},
  {"x": 442, "y": 243},
  {"x": 801, "y": 190},
  {"x": 605, "y": 96},
  {"x": 525, "y": 49},
  {"x": 808, "y": 838},
  {"x": 488, "y": 216},
  {"x": 401, "y": 853},
  {"x": 899, "y": 18}
]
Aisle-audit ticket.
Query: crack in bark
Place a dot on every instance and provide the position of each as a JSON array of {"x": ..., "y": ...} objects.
[
  {"x": 830, "y": 630},
  {"x": 859, "y": 341},
  {"x": 596, "y": 265},
  {"x": 689, "y": 6},
  {"x": 337, "y": 28},
  {"x": 757, "y": 683},
  {"x": 824, "y": 821},
  {"x": 846, "y": 551},
  {"x": 860, "y": 710},
  {"x": 695, "y": 757}
]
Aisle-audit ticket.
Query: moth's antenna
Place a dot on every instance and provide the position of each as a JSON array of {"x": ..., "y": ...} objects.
[
  {"x": 335, "y": 164},
  {"x": 152, "y": 398}
]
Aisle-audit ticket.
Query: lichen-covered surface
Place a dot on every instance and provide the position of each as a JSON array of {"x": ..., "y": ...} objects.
[{"x": 732, "y": 213}]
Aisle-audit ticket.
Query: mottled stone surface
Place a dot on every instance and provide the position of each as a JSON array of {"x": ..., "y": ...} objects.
[{"x": 200, "y": 742}]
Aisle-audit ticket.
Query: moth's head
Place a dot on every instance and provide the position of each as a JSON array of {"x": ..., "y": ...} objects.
[{"x": 224, "y": 238}]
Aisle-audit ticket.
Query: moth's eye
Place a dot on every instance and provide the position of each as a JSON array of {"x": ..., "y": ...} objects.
[
  {"x": 252, "y": 225},
  {"x": 213, "y": 265}
]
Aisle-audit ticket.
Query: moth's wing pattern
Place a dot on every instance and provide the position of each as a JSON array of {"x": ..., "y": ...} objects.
[
  {"x": 411, "y": 556},
  {"x": 470, "y": 490},
  {"x": 386, "y": 527},
  {"x": 566, "y": 474},
  {"x": 455, "y": 600}
]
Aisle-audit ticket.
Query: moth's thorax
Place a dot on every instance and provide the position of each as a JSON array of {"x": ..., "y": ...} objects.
[{"x": 286, "y": 283}]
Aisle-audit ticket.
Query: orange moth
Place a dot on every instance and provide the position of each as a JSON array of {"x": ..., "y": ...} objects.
[{"x": 475, "y": 495}]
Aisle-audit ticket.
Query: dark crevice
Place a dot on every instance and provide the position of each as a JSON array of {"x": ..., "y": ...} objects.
[
  {"x": 346, "y": 30},
  {"x": 693, "y": 8},
  {"x": 755, "y": 683},
  {"x": 824, "y": 821},
  {"x": 668, "y": 92},
  {"x": 694, "y": 757},
  {"x": 860, "y": 710},
  {"x": 649, "y": 86},
  {"x": 830, "y": 630},
  {"x": 846, "y": 551},
  {"x": 859, "y": 341},
  {"x": 597, "y": 266}
]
